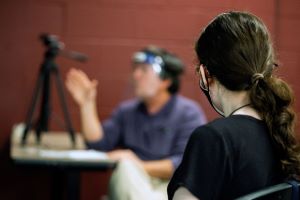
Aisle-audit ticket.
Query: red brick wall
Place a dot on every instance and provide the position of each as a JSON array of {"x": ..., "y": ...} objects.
[
  {"x": 288, "y": 45},
  {"x": 109, "y": 31}
]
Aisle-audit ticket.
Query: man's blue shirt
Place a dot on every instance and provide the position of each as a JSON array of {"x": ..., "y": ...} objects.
[{"x": 162, "y": 135}]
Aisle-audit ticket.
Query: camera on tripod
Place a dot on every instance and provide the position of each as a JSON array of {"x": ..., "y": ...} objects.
[{"x": 48, "y": 67}]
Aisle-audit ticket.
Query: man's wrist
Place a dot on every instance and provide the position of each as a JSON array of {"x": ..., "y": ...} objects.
[{"x": 88, "y": 106}]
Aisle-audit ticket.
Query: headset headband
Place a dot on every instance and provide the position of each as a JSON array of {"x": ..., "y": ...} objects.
[{"x": 149, "y": 58}]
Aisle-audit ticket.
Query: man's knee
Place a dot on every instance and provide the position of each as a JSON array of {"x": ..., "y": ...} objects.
[{"x": 123, "y": 180}]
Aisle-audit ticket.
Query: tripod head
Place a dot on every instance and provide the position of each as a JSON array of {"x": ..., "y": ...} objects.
[
  {"x": 51, "y": 41},
  {"x": 56, "y": 47}
]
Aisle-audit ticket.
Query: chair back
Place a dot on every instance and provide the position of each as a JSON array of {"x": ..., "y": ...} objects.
[{"x": 282, "y": 191}]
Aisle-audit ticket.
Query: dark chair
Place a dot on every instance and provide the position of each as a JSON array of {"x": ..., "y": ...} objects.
[{"x": 283, "y": 191}]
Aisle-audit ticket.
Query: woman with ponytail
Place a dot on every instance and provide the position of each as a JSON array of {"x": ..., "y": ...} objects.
[{"x": 254, "y": 145}]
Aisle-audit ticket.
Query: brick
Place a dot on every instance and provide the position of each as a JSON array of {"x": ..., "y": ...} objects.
[
  {"x": 288, "y": 32},
  {"x": 289, "y": 66},
  {"x": 254, "y": 5},
  {"x": 166, "y": 24},
  {"x": 187, "y": 54},
  {"x": 289, "y": 8},
  {"x": 117, "y": 3},
  {"x": 289, "y": 72},
  {"x": 94, "y": 21},
  {"x": 135, "y": 2},
  {"x": 27, "y": 21},
  {"x": 203, "y": 3}
]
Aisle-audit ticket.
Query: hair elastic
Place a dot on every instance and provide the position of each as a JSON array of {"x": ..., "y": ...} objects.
[{"x": 256, "y": 77}]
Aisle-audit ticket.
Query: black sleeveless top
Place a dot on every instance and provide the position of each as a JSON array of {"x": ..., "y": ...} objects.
[{"x": 227, "y": 158}]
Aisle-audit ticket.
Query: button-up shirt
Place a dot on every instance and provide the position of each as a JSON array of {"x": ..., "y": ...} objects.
[{"x": 156, "y": 136}]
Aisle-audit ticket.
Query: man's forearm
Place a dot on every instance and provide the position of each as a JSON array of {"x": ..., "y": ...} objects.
[
  {"x": 90, "y": 123},
  {"x": 159, "y": 168}
]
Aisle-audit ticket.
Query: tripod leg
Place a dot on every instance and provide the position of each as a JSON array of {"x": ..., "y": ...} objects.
[
  {"x": 45, "y": 105},
  {"x": 34, "y": 99},
  {"x": 59, "y": 85}
]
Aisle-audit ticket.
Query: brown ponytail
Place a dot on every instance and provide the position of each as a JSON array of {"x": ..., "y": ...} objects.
[{"x": 273, "y": 98}]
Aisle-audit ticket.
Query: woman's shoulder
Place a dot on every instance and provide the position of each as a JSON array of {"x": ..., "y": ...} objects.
[
  {"x": 234, "y": 119},
  {"x": 204, "y": 135},
  {"x": 235, "y": 122},
  {"x": 229, "y": 128}
]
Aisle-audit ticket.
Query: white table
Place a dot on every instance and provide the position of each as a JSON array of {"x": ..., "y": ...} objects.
[{"x": 56, "y": 153}]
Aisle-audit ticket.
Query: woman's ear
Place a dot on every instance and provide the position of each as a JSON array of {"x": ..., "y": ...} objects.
[
  {"x": 210, "y": 80},
  {"x": 202, "y": 74},
  {"x": 205, "y": 76}
]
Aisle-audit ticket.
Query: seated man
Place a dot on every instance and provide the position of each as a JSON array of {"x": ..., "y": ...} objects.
[{"x": 149, "y": 131}]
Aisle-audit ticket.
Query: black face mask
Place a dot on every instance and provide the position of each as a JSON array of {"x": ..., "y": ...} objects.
[{"x": 205, "y": 90}]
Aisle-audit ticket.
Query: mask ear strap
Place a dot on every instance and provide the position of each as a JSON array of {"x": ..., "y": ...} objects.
[{"x": 206, "y": 92}]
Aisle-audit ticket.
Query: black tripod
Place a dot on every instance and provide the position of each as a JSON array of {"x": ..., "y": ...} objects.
[{"x": 48, "y": 67}]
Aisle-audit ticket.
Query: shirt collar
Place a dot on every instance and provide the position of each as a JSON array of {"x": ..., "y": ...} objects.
[{"x": 164, "y": 110}]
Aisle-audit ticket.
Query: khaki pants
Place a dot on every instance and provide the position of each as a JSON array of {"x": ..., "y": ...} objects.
[{"x": 131, "y": 182}]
